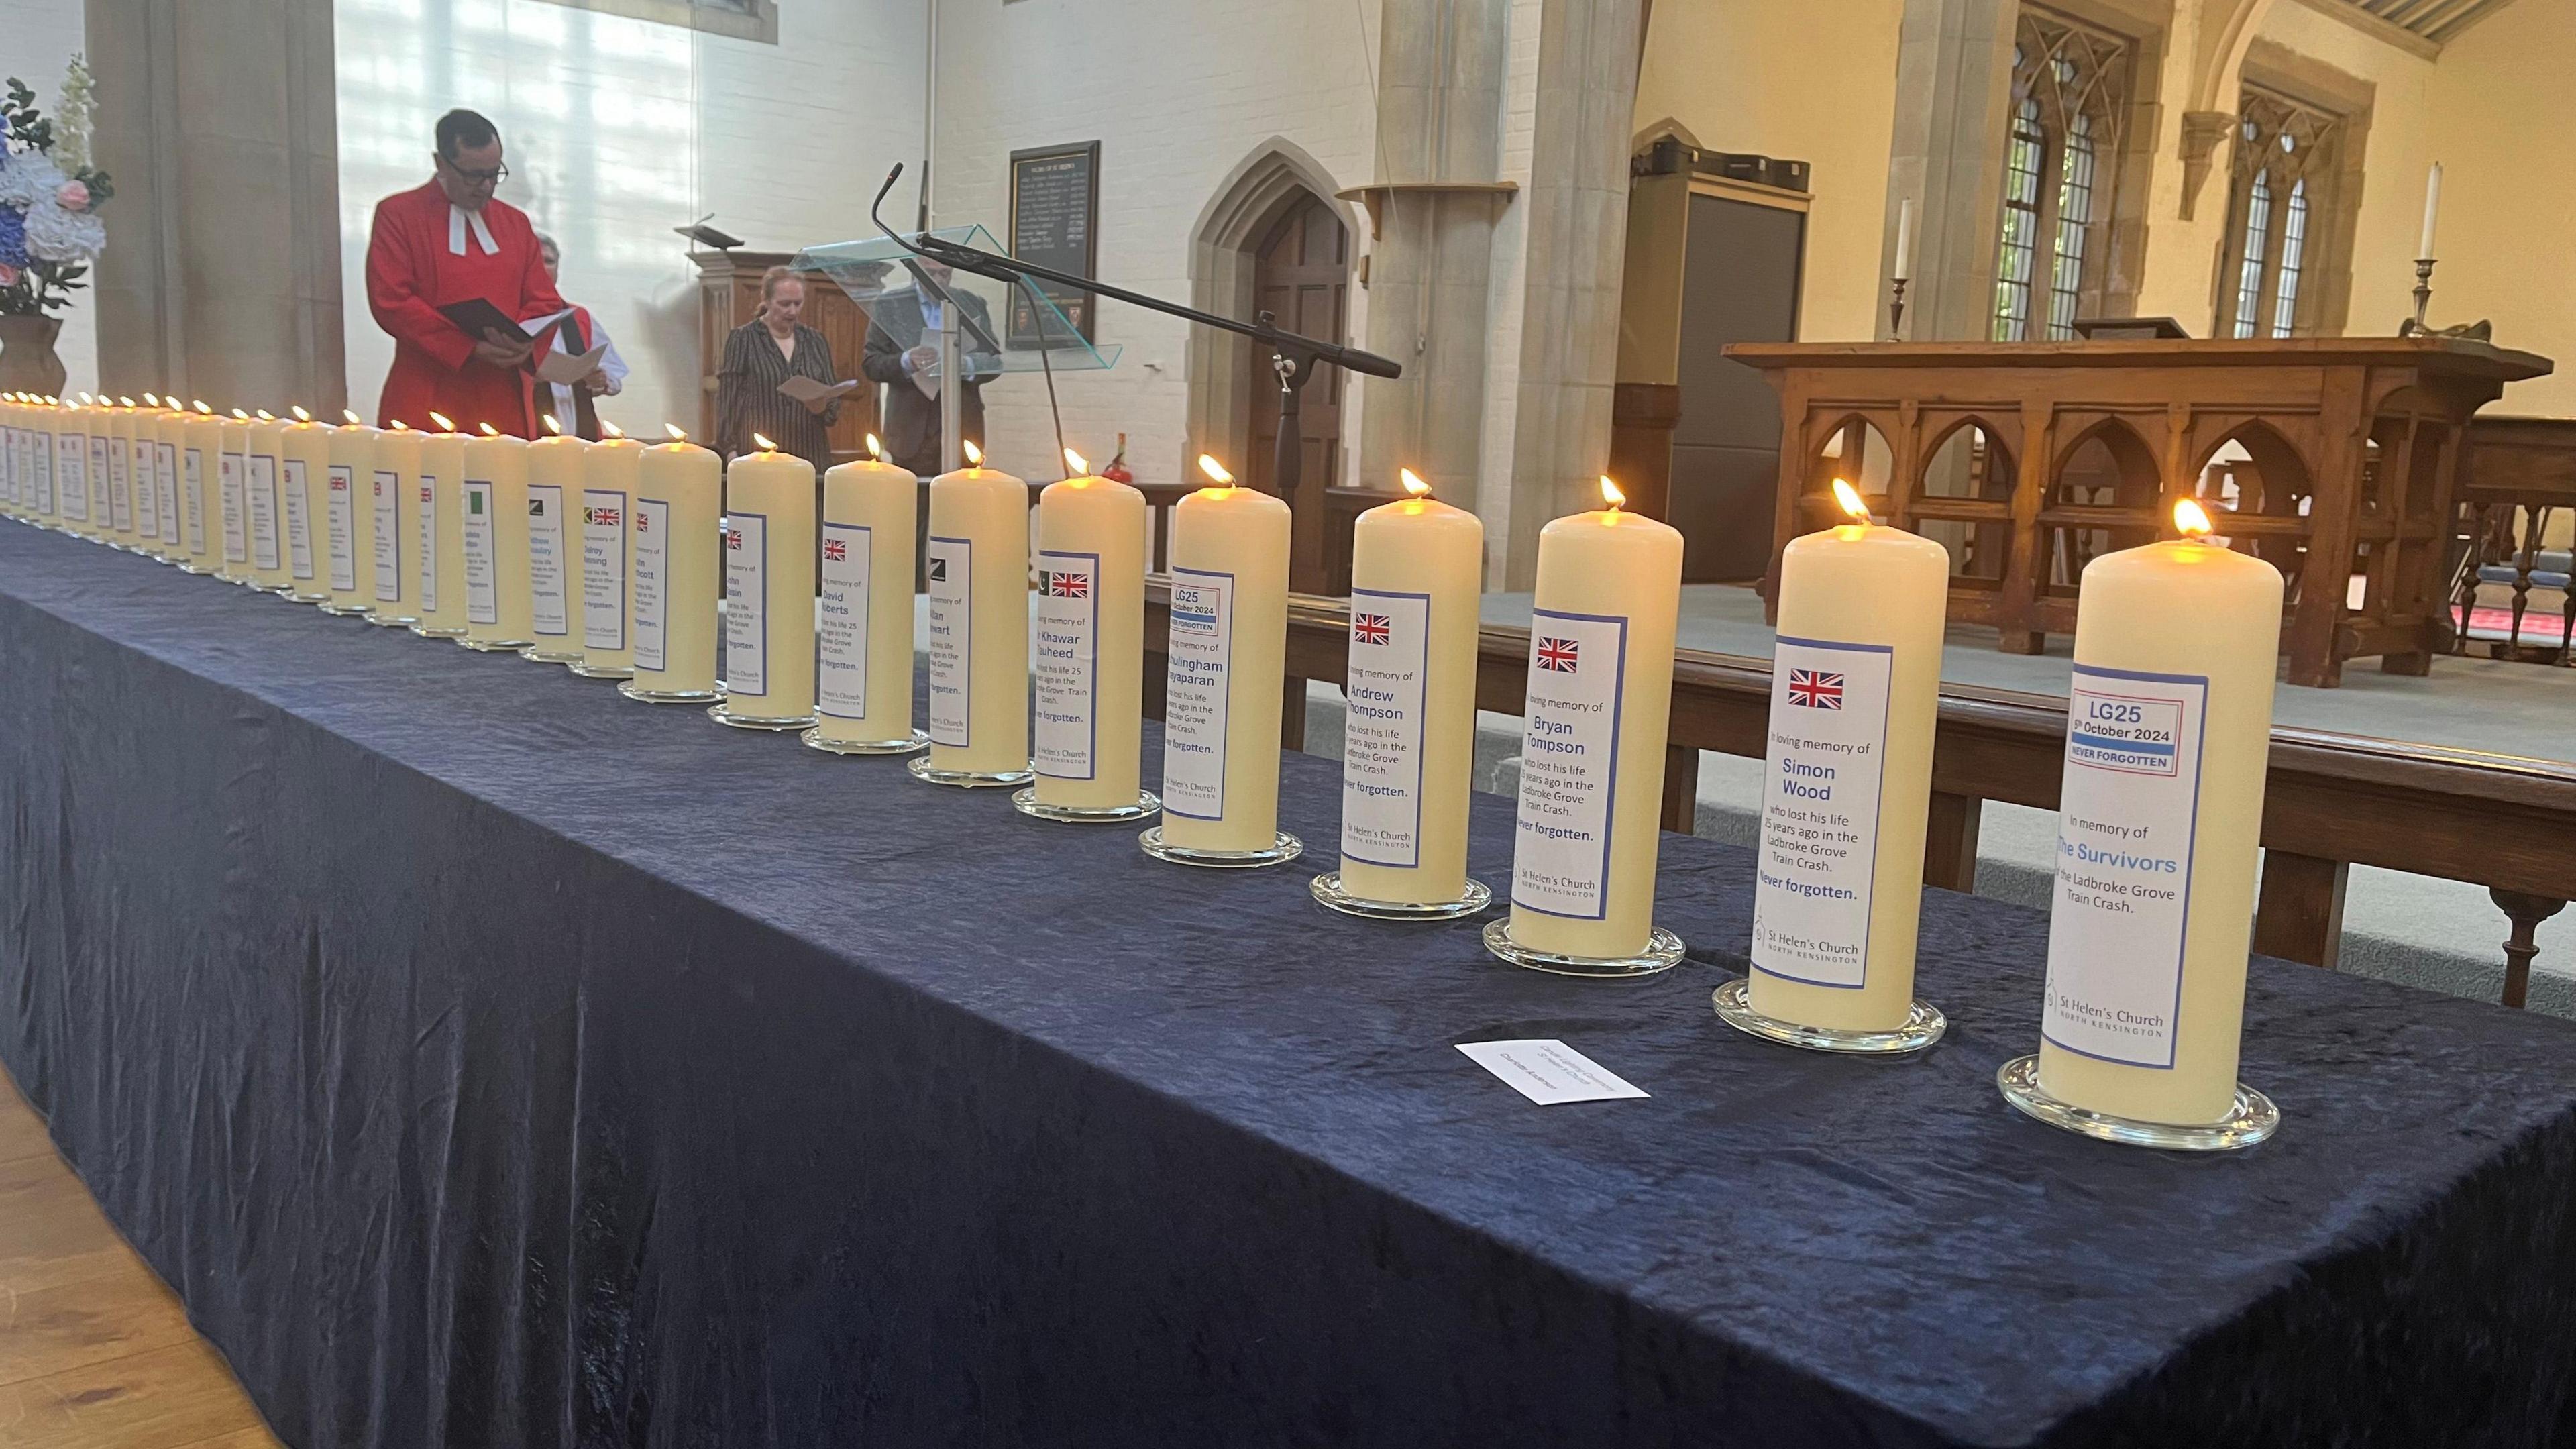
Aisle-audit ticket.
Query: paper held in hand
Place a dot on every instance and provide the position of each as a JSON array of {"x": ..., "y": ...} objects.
[
  {"x": 807, "y": 390},
  {"x": 570, "y": 367}
]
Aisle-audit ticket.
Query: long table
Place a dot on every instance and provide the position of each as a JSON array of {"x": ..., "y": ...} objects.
[{"x": 488, "y": 1060}]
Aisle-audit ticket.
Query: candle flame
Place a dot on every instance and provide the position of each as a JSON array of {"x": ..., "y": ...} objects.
[
  {"x": 266, "y": 416},
  {"x": 612, "y": 430},
  {"x": 444, "y": 424},
  {"x": 125, "y": 402},
  {"x": 301, "y": 415},
  {"x": 351, "y": 415},
  {"x": 552, "y": 426},
  {"x": 85, "y": 398},
  {"x": 876, "y": 449},
  {"x": 678, "y": 434},
  {"x": 974, "y": 455},
  {"x": 2190, "y": 519},
  {"x": 1611, "y": 497},
  {"x": 1851, "y": 501},
  {"x": 763, "y": 444},
  {"x": 1215, "y": 471},
  {"x": 401, "y": 427},
  {"x": 1076, "y": 461},
  {"x": 490, "y": 431},
  {"x": 240, "y": 415},
  {"x": 151, "y": 400},
  {"x": 1413, "y": 483},
  {"x": 201, "y": 407}
]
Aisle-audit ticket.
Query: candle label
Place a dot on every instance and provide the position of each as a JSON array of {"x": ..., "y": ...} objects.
[
  {"x": 2127, "y": 815},
  {"x": 228, "y": 483},
  {"x": 482, "y": 598},
  {"x": 299, "y": 525},
  {"x": 165, "y": 488},
  {"x": 746, "y": 556},
  {"x": 343, "y": 528},
  {"x": 73, "y": 472},
  {"x": 549, "y": 610},
  {"x": 1570, "y": 764},
  {"x": 44, "y": 452},
  {"x": 387, "y": 503},
  {"x": 652, "y": 579},
  {"x": 147, "y": 494},
  {"x": 194, "y": 480},
  {"x": 1820, "y": 801},
  {"x": 262, "y": 493},
  {"x": 1196, "y": 693},
  {"x": 841, "y": 621},
  {"x": 120, "y": 501},
  {"x": 603, "y": 569},
  {"x": 428, "y": 544},
  {"x": 1066, "y": 662},
  {"x": 1390, "y": 654},
  {"x": 950, "y": 564}
]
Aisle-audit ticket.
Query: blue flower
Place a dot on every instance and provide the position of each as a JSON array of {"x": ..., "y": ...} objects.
[{"x": 13, "y": 238}]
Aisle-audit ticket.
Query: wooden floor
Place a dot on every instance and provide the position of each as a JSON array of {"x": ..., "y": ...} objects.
[{"x": 94, "y": 1352}]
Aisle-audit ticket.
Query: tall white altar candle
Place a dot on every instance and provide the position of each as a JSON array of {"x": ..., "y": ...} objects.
[
  {"x": 609, "y": 471},
  {"x": 673, "y": 579},
  {"x": 863, "y": 687},
  {"x": 2432, "y": 211},
  {"x": 440, "y": 498},
  {"x": 1409, "y": 733},
  {"x": 201, "y": 497},
  {"x": 232, "y": 472},
  {"x": 1847, "y": 775},
  {"x": 1088, "y": 658},
  {"x": 394, "y": 521},
  {"x": 769, "y": 589},
  {"x": 1905, "y": 240},
  {"x": 2160, "y": 818},
  {"x": 557, "y": 474},
  {"x": 264, "y": 489},
  {"x": 349, "y": 519},
  {"x": 1607, "y": 604},
  {"x": 1229, "y": 642},
  {"x": 978, "y": 565},
  {"x": 304, "y": 488},
  {"x": 496, "y": 541}
]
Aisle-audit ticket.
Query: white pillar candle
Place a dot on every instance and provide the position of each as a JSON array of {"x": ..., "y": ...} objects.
[
  {"x": 557, "y": 474},
  {"x": 168, "y": 431},
  {"x": 1088, "y": 658},
  {"x": 1409, "y": 737},
  {"x": 673, "y": 581},
  {"x": 72, "y": 473},
  {"x": 142, "y": 444},
  {"x": 116, "y": 439},
  {"x": 2169, "y": 728},
  {"x": 439, "y": 580},
  {"x": 1847, "y": 775},
  {"x": 1228, "y": 644},
  {"x": 863, "y": 688},
  {"x": 609, "y": 471},
  {"x": 304, "y": 487},
  {"x": 264, "y": 489},
  {"x": 232, "y": 470},
  {"x": 978, "y": 565},
  {"x": 48, "y": 456},
  {"x": 394, "y": 524},
  {"x": 201, "y": 497},
  {"x": 2432, "y": 210},
  {"x": 769, "y": 586},
  {"x": 1607, "y": 604},
  {"x": 1905, "y": 240},
  {"x": 495, "y": 535},
  {"x": 349, "y": 519}
]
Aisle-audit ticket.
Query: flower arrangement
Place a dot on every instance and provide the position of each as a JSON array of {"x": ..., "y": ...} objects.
[{"x": 49, "y": 195}]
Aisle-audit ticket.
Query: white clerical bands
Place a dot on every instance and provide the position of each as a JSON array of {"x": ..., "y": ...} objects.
[{"x": 458, "y": 218}]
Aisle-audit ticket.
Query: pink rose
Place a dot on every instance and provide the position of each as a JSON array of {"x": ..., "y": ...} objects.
[
  {"x": 8, "y": 275},
  {"x": 74, "y": 196}
]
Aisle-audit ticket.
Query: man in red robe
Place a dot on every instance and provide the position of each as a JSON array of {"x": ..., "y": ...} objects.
[{"x": 440, "y": 244}]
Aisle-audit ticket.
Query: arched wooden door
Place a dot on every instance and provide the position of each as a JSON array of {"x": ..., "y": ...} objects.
[{"x": 1301, "y": 276}]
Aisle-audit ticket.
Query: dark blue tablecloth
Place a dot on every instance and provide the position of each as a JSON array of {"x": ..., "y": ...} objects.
[{"x": 489, "y": 1060}]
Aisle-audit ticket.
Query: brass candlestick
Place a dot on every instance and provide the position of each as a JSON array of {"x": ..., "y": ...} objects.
[
  {"x": 1896, "y": 313},
  {"x": 2481, "y": 330}
]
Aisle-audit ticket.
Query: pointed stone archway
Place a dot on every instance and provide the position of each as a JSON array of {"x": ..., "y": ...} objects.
[{"x": 1275, "y": 179}]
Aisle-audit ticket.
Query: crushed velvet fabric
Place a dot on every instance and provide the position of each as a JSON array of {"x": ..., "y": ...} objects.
[{"x": 490, "y": 1061}]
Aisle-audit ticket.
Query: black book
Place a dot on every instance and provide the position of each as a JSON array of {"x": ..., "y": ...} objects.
[{"x": 475, "y": 314}]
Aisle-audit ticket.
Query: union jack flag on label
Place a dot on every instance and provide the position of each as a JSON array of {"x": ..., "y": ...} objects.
[
  {"x": 1068, "y": 585},
  {"x": 733, "y": 538},
  {"x": 1815, "y": 689},
  {"x": 836, "y": 550},
  {"x": 1370, "y": 628},
  {"x": 1558, "y": 656}
]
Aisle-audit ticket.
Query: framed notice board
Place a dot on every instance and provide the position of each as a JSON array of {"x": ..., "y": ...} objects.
[{"x": 1055, "y": 222}]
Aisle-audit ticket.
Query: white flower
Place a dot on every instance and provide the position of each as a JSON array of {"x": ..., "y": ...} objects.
[
  {"x": 28, "y": 178},
  {"x": 31, "y": 183},
  {"x": 73, "y": 115}
]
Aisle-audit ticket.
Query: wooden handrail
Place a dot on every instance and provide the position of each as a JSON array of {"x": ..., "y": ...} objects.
[{"x": 2331, "y": 800}]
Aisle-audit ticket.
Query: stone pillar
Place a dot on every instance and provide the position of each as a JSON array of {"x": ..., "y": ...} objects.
[
  {"x": 1577, "y": 220},
  {"x": 1953, "y": 96},
  {"x": 222, "y": 275},
  {"x": 1433, "y": 205}
]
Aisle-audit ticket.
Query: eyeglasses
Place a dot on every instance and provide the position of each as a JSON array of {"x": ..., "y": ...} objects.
[{"x": 493, "y": 177}]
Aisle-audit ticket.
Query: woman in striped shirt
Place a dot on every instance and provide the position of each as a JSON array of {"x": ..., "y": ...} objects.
[{"x": 759, "y": 355}]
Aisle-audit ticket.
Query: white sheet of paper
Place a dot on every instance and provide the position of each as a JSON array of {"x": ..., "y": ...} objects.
[
  {"x": 568, "y": 368},
  {"x": 927, "y": 380},
  {"x": 1548, "y": 1071}
]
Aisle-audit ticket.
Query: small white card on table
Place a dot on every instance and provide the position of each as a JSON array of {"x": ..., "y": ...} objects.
[{"x": 1548, "y": 1072}]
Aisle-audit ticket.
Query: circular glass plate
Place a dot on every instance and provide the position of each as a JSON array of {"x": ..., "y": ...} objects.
[
  {"x": 641, "y": 695},
  {"x": 543, "y": 655},
  {"x": 588, "y": 670},
  {"x": 439, "y": 631},
  {"x": 198, "y": 569},
  {"x": 1329, "y": 894},
  {"x": 1027, "y": 803},
  {"x": 1923, "y": 1026},
  {"x": 347, "y": 611},
  {"x": 724, "y": 715},
  {"x": 393, "y": 621},
  {"x": 493, "y": 646},
  {"x": 917, "y": 741},
  {"x": 1284, "y": 848},
  {"x": 1663, "y": 951},
  {"x": 2250, "y": 1118},
  {"x": 968, "y": 779},
  {"x": 317, "y": 600}
]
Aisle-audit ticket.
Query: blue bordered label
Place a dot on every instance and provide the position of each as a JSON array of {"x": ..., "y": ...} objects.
[
  {"x": 652, "y": 581},
  {"x": 1197, "y": 692},
  {"x": 603, "y": 568},
  {"x": 1821, "y": 776},
  {"x": 841, "y": 620},
  {"x": 1064, "y": 664},
  {"x": 746, "y": 559},
  {"x": 950, "y": 564},
  {"x": 549, "y": 601},
  {"x": 1570, "y": 764},
  {"x": 1382, "y": 734}
]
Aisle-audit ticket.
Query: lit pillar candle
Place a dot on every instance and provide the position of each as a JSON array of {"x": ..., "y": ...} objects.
[
  {"x": 1088, "y": 657},
  {"x": 232, "y": 465},
  {"x": 495, "y": 536},
  {"x": 1229, "y": 641},
  {"x": 978, "y": 566},
  {"x": 201, "y": 502},
  {"x": 1602, "y": 621},
  {"x": 349, "y": 519},
  {"x": 2160, "y": 817},
  {"x": 394, "y": 528},
  {"x": 609, "y": 471},
  {"x": 769, "y": 590},
  {"x": 555, "y": 474},
  {"x": 112, "y": 456},
  {"x": 1409, "y": 737},
  {"x": 143, "y": 435},
  {"x": 304, "y": 491},
  {"x": 1847, "y": 781},
  {"x": 863, "y": 617},
  {"x": 49, "y": 462},
  {"x": 439, "y": 583},
  {"x": 264, "y": 486},
  {"x": 169, "y": 430},
  {"x": 71, "y": 470},
  {"x": 672, "y": 578}
]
